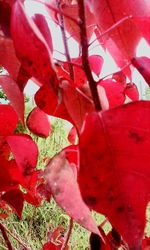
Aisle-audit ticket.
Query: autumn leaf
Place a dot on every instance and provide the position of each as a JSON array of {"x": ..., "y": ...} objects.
[
  {"x": 114, "y": 158},
  {"x": 62, "y": 182}
]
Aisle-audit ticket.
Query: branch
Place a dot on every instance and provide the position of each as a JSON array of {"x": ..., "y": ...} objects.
[
  {"x": 7, "y": 241},
  {"x": 85, "y": 61},
  {"x": 65, "y": 41},
  {"x": 68, "y": 234}
]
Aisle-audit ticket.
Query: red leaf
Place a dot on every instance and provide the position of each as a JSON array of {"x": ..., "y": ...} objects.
[
  {"x": 7, "y": 176},
  {"x": 46, "y": 99},
  {"x": 119, "y": 77},
  {"x": 126, "y": 35},
  {"x": 38, "y": 123},
  {"x": 15, "y": 199},
  {"x": 142, "y": 64},
  {"x": 31, "y": 47},
  {"x": 4, "y": 148},
  {"x": 118, "y": 162},
  {"x": 5, "y": 13},
  {"x": 132, "y": 92},
  {"x": 50, "y": 103},
  {"x": 72, "y": 135},
  {"x": 25, "y": 152},
  {"x": 8, "y": 118},
  {"x": 76, "y": 104},
  {"x": 143, "y": 23},
  {"x": 14, "y": 95},
  {"x": 8, "y": 57},
  {"x": 51, "y": 246},
  {"x": 114, "y": 92},
  {"x": 62, "y": 183}
]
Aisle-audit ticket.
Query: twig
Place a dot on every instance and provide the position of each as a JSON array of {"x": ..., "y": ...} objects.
[
  {"x": 16, "y": 238},
  {"x": 85, "y": 61},
  {"x": 111, "y": 28},
  {"x": 65, "y": 41},
  {"x": 67, "y": 235},
  {"x": 7, "y": 241}
]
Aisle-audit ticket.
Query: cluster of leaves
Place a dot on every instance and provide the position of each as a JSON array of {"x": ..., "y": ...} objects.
[{"x": 109, "y": 169}]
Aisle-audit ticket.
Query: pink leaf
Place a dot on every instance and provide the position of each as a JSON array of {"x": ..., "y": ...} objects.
[
  {"x": 38, "y": 123},
  {"x": 62, "y": 183},
  {"x": 8, "y": 118},
  {"x": 14, "y": 95}
]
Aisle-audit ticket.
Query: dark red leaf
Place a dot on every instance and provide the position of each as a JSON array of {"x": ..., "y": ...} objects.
[
  {"x": 5, "y": 13},
  {"x": 31, "y": 47},
  {"x": 62, "y": 183},
  {"x": 7, "y": 176},
  {"x": 72, "y": 135},
  {"x": 50, "y": 103},
  {"x": 8, "y": 118},
  {"x": 22, "y": 78},
  {"x": 46, "y": 99},
  {"x": 4, "y": 148},
  {"x": 118, "y": 162},
  {"x": 8, "y": 57},
  {"x": 132, "y": 92},
  {"x": 25, "y": 152},
  {"x": 38, "y": 123},
  {"x": 142, "y": 64},
  {"x": 14, "y": 95},
  {"x": 15, "y": 200}
]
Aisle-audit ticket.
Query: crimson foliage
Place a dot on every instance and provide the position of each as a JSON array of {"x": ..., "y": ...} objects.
[{"x": 109, "y": 169}]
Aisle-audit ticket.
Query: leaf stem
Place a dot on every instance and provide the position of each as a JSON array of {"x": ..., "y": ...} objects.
[
  {"x": 85, "y": 61},
  {"x": 68, "y": 234}
]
